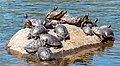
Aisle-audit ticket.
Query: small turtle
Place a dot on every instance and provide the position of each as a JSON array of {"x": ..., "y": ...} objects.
[
  {"x": 55, "y": 14},
  {"x": 45, "y": 54},
  {"x": 32, "y": 22},
  {"x": 51, "y": 41},
  {"x": 61, "y": 31},
  {"x": 85, "y": 22},
  {"x": 36, "y": 31},
  {"x": 33, "y": 46},
  {"x": 88, "y": 31}
]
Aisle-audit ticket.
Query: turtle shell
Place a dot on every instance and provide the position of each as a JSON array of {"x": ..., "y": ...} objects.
[
  {"x": 51, "y": 40},
  {"x": 61, "y": 31},
  {"x": 33, "y": 46},
  {"x": 107, "y": 32},
  {"x": 88, "y": 31},
  {"x": 36, "y": 31},
  {"x": 45, "y": 54}
]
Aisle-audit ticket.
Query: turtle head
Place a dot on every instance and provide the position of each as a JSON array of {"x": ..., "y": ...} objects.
[
  {"x": 26, "y": 16},
  {"x": 109, "y": 26}
]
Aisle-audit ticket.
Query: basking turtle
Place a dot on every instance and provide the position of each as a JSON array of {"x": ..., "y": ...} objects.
[
  {"x": 85, "y": 22},
  {"x": 61, "y": 31},
  {"x": 88, "y": 31},
  {"x": 105, "y": 34},
  {"x": 55, "y": 14},
  {"x": 36, "y": 31},
  {"x": 45, "y": 54},
  {"x": 71, "y": 19},
  {"x": 32, "y": 22},
  {"x": 51, "y": 41},
  {"x": 33, "y": 46}
]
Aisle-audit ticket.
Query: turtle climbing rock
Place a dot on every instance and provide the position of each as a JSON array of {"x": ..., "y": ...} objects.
[
  {"x": 36, "y": 31},
  {"x": 51, "y": 41},
  {"x": 45, "y": 54},
  {"x": 61, "y": 31}
]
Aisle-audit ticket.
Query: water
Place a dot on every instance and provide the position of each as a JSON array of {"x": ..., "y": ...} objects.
[{"x": 107, "y": 11}]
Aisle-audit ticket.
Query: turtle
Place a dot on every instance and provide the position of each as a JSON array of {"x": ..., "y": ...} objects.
[
  {"x": 51, "y": 41},
  {"x": 36, "y": 31},
  {"x": 33, "y": 46},
  {"x": 55, "y": 14},
  {"x": 88, "y": 31},
  {"x": 61, "y": 32},
  {"x": 105, "y": 34},
  {"x": 32, "y": 22},
  {"x": 69, "y": 19},
  {"x": 86, "y": 22},
  {"x": 45, "y": 54}
]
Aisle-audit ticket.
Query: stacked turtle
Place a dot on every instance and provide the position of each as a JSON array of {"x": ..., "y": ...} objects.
[{"x": 54, "y": 19}]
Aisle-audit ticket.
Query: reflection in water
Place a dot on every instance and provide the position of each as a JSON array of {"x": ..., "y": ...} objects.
[{"x": 81, "y": 58}]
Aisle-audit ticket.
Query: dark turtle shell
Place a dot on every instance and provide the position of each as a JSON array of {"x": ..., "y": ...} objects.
[
  {"x": 61, "y": 31},
  {"x": 45, "y": 54},
  {"x": 33, "y": 46},
  {"x": 105, "y": 34},
  {"x": 51, "y": 40},
  {"x": 36, "y": 31}
]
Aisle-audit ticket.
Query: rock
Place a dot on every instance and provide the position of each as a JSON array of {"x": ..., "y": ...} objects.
[{"x": 77, "y": 42}]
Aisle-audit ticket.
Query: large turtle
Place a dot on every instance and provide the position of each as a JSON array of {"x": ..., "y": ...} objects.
[
  {"x": 55, "y": 14},
  {"x": 51, "y": 41},
  {"x": 36, "y": 31},
  {"x": 32, "y": 22},
  {"x": 45, "y": 54},
  {"x": 61, "y": 32},
  {"x": 105, "y": 34},
  {"x": 33, "y": 46}
]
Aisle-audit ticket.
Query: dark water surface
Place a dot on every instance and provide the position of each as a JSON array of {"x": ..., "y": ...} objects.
[{"x": 107, "y": 11}]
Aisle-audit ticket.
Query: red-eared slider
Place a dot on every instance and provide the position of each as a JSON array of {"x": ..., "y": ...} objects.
[
  {"x": 88, "y": 31},
  {"x": 86, "y": 22},
  {"x": 61, "y": 31},
  {"x": 33, "y": 46},
  {"x": 32, "y": 22},
  {"x": 55, "y": 14},
  {"x": 36, "y": 31},
  {"x": 45, "y": 54},
  {"x": 105, "y": 34},
  {"x": 51, "y": 41}
]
